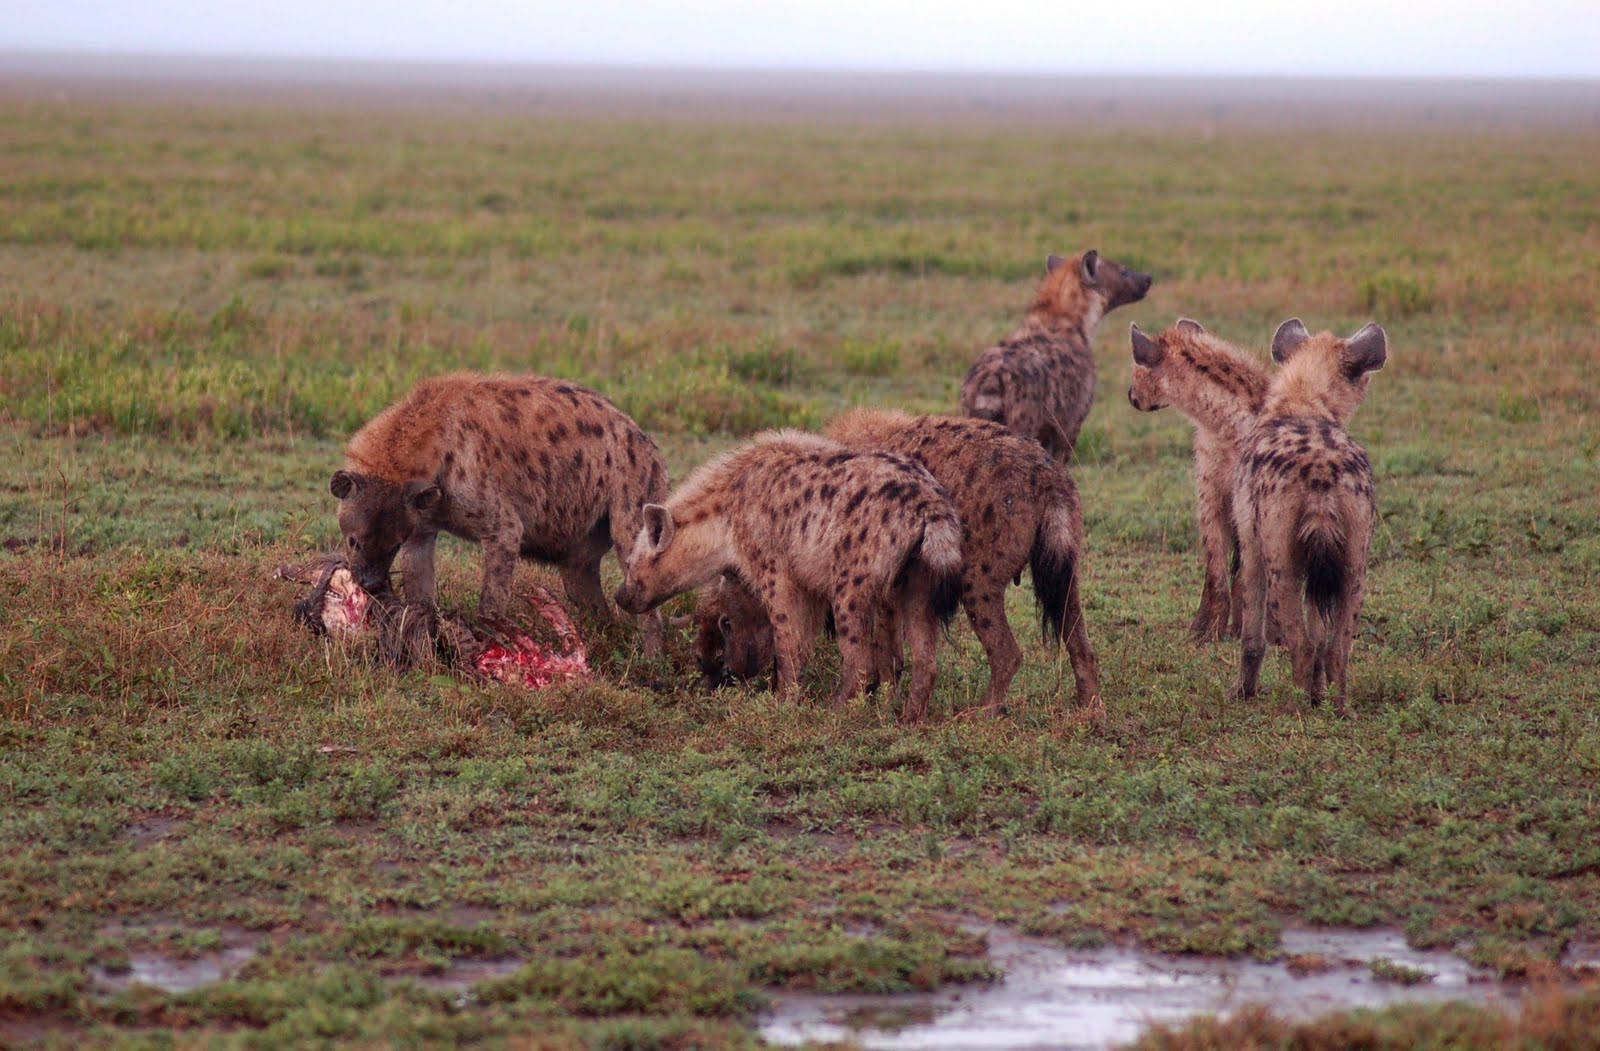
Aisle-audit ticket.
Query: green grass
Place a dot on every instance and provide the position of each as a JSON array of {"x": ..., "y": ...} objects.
[{"x": 196, "y": 305}]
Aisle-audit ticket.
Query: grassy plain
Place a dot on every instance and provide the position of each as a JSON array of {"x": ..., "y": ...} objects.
[{"x": 197, "y": 303}]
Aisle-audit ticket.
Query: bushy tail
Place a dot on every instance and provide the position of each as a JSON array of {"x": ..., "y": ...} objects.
[
  {"x": 939, "y": 556},
  {"x": 1321, "y": 539},
  {"x": 1054, "y": 563}
]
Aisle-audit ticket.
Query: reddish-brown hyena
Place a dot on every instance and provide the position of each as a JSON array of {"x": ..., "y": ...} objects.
[
  {"x": 1306, "y": 508},
  {"x": 1039, "y": 382},
  {"x": 1221, "y": 390},
  {"x": 526, "y": 466},
  {"x": 1018, "y": 508},
  {"x": 808, "y": 526}
]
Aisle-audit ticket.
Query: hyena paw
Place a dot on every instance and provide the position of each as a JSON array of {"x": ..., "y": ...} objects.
[{"x": 1208, "y": 628}]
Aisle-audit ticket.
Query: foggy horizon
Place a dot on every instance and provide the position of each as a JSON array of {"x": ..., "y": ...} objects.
[
  {"x": 329, "y": 63},
  {"x": 1425, "y": 39}
]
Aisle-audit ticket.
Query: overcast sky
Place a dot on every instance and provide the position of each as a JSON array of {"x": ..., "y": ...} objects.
[{"x": 1537, "y": 38}]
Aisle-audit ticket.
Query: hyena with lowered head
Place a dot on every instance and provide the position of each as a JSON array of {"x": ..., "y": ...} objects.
[
  {"x": 1221, "y": 391},
  {"x": 1039, "y": 381},
  {"x": 526, "y": 466},
  {"x": 808, "y": 525},
  {"x": 1018, "y": 508},
  {"x": 1306, "y": 507}
]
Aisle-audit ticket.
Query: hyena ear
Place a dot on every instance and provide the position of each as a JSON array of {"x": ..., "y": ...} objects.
[
  {"x": 1146, "y": 351},
  {"x": 658, "y": 526},
  {"x": 424, "y": 496},
  {"x": 1366, "y": 351},
  {"x": 1091, "y": 266},
  {"x": 344, "y": 483},
  {"x": 1190, "y": 325},
  {"x": 1290, "y": 335},
  {"x": 1054, "y": 263}
]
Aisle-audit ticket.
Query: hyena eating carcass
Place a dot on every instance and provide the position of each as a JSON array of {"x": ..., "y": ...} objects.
[
  {"x": 1039, "y": 382},
  {"x": 1017, "y": 508},
  {"x": 1306, "y": 508},
  {"x": 808, "y": 525},
  {"x": 526, "y": 466},
  {"x": 1221, "y": 391}
]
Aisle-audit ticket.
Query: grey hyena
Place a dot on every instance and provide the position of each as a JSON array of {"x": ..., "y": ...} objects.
[
  {"x": 808, "y": 525},
  {"x": 526, "y": 466},
  {"x": 1221, "y": 390},
  {"x": 1018, "y": 508},
  {"x": 1306, "y": 507},
  {"x": 1040, "y": 380}
]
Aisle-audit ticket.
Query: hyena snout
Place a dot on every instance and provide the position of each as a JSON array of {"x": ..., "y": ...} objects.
[
  {"x": 629, "y": 599},
  {"x": 374, "y": 580},
  {"x": 1133, "y": 287}
]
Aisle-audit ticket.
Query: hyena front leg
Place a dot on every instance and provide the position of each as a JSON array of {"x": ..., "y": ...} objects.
[
  {"x": 1216, "y": 546},
  {"x": 500, "y": 553},
  {"x": 796, "y": 619},
  {"x": 419, "y": 580},
  {"x": 581, "y": 581}
]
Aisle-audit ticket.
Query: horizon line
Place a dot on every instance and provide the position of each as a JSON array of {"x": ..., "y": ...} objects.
[{"x": 582, "y": 66}]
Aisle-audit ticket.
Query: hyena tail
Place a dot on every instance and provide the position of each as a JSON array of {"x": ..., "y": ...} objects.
[
  {"x": 1322, "y": 557},
  {"x": 939, "y": 558},
  {"x": 1054, "y": 564}
]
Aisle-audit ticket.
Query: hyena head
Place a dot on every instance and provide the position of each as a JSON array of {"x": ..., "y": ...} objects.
[
  {"x": 1153, "y": 367},
  {"x": 735, "y": 640},
  {"x": 663, "y": 563},
  {"x": 1088, "y": 286},
  {"x": 1324, "y": 371},
  {"x": 376, "y": 518}
]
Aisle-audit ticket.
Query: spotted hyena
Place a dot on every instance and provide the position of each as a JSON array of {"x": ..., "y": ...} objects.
[
  {"x": 1018, "y": 508},
  {"x": 1306, "y": 507},
  {"x": 526, "y": 466},
  {"x": 1039, "y": 381},
  {"x": 808, "y": 526},
  {"x": 1221, "y": 390}
]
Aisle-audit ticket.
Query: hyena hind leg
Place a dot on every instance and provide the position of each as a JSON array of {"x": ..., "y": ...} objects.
[
  {"x": 888, "y": 649},
  {"x": 1252, "y": 629},
  {"x": 922, "y": 630},
  {"x": 1341, "y": 638},
  {"x": 1284, "y": 607},
  {"x": 1085, "y": 668},
  {"x": 986, "y": 609},
  {"x": 855, "y": 619}
]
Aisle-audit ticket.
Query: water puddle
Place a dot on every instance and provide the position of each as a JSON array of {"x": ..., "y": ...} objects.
[
  {"x": 463, "y": 977},
  {"x": 175, "y": 975},
  {"x": 1062, "y": 998}
]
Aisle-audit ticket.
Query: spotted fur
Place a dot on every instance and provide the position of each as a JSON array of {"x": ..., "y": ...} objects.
[
  {"x": 1221, "y": 390},
  {"x": 1039, "y": 382},
  {"x": 1306, "y": 506},
  {"x": 1018, "y": 508},
  {"x": 808, "y": 525},
  {"x": 527, "y": 466}
]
